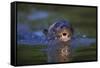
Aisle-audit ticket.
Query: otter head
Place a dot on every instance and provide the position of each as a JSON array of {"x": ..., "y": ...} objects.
[
  {"x": 60, "y": 30},
  {"x": 64, "y": 34}
]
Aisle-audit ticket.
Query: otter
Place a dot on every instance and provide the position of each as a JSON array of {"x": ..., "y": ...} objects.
[{"x": 59, "y": 36}]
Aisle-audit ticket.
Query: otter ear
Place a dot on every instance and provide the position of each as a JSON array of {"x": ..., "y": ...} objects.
[{"x": 45, "y": 31}]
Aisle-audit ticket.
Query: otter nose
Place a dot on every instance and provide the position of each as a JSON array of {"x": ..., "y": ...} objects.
[{"x": 64, "y": 34}]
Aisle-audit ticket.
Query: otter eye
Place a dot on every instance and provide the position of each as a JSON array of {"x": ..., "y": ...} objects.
[{"x": 64, "y": 34}]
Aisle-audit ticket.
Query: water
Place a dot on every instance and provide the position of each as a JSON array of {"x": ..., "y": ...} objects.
[{"x": 35, "y": 38}]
